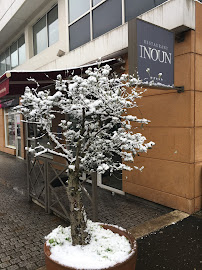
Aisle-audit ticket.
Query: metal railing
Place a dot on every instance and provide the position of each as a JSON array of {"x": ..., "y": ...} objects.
[{"x": 47, "y": 187}]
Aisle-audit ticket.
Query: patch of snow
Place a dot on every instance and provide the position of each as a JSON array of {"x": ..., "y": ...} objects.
[{"x": 104, "y": 250}]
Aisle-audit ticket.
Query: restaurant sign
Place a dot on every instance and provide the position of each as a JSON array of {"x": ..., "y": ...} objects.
[{"x": 151, "y": 52}]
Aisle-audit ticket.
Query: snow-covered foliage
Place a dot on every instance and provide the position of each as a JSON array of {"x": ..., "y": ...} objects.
[{"x": 96, "y": 123}]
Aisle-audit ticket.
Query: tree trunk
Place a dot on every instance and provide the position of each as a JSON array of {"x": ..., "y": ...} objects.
[{"x": 78, "y": 217}]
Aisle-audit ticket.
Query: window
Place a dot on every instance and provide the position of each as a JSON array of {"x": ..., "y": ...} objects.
[
  {"x": 8, "y": 59},
  {"x": 13, "y": 56},
  {"x": 21, "y": 50},
  {"x": 79, "y": 32},
  {"x": 95, "y": 2},
  {"x": 53, "y": 34},
  {"x": 2, "y": 64},
  {"x": 87, "y": 22},
  {"x": 45, "y": 31},
  {"x": 77, "y": 8},
  {"x": 106, "y": 17},
  {"x": 40, "y": 36},
  {"x": 159, "y": 2},
  {"x": 89, "y": 19},
  {"x": 134, "y": 8},
  {"x": 9, "y": 127}
]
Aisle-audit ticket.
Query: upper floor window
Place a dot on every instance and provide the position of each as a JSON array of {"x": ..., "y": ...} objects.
[
  {"x": 45, "y": 31},
  {"x": 89, "y": 19},
  {"x": 134, "y": 8},
  {"x": 87, "y": 22},
  {"x": 77, "y": 8},
  {"x": 95, "y": 2},
  {"x": 13, "y": 56}
]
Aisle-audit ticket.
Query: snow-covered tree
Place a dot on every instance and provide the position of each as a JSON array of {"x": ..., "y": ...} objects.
[{"x": 96, "y": 125}]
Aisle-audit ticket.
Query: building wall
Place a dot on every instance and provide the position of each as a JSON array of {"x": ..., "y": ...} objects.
[{"x": 172, "y": 173}]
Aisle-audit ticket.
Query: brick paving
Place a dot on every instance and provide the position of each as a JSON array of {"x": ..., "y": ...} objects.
[{"x": 23, "y": 225}]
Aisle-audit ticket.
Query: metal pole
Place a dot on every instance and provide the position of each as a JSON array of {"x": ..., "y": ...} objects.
[
  {"x": 48, "y": 189},
  {"x": 94, "y": 196},
  {"x": 46, "y": 185},
  {"x": 28, "y": 158}
]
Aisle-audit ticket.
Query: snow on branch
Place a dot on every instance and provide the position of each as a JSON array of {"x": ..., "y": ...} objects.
[{"x": 94, "y": 119}]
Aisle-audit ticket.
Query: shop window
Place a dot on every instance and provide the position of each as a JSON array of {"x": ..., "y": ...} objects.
[
  {"x": 77, "y": 8},
  {"x": 45, "y": 31},
  {"x": 106, "y": 17},
  {"x": 134, "y": 8},
  {"x": 79, "y": 32},
  {"x": 9, "y": 128}
]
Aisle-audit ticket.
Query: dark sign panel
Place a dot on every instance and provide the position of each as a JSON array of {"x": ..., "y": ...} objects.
[
  {"x": 10, "y": 103},
  {"x": 152, "y": 52}
]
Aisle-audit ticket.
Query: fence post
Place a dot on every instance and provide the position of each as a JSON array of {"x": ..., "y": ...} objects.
[
  {"x": 94, "y": 196},
  {"x": 28, "y": 176},
  {"x": 46, "y": 185}
]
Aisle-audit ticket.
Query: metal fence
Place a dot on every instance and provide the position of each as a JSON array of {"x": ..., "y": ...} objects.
[{"x": 47, "y": 187}]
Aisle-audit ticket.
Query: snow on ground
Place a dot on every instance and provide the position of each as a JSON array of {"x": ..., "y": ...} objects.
[{"x": 104, "y": 250}]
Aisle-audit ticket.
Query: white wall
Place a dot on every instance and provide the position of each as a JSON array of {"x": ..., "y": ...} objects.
[
  {"x": 174, "y": 14},
  {"x": 104, "y": 45}
]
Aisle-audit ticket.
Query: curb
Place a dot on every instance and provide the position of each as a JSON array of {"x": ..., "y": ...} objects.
[
  {"x": 153, "y": 225},
  {"x": 157, "y": 223}
]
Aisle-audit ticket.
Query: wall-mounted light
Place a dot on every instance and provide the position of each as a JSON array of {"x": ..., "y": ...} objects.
[{"x": 60, "y": 53}]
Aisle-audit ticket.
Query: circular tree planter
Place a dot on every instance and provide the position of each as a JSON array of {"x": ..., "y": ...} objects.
[{"x": 128, "y": 264}]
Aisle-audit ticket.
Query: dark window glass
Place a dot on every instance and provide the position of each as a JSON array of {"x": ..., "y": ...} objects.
[
  {"x": 106, "y": 17},
  {"x": 95, "y": 2},
  {"x": 21, "y": 50},
  {"x": 53, "y": 34},
  {"x": 8, "y": 59},
  {"x": 134, "y": 8},
  {"x": 14, "y": 55},
  {"x": 77, "y": 8},
  {"x": 2, "y": 64},
  {"x": 40, "y": 36},
  {"x": 79, "y": 32},
  {"x": 158, "y": 2}
]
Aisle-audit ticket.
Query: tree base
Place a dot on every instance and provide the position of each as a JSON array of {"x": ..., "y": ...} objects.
[{"x": 128, "y": 264}]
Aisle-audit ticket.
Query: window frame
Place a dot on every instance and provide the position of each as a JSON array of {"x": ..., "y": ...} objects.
[
  {"x": 6, "y": 129},
  {"x": 47, "y": 30},
  {"x": 18, "y": 55},
  {"x": 90, "y": 11}
]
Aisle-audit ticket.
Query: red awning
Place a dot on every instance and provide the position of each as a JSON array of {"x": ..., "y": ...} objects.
[
  {"x": 4, "y": 87},
  {"x": 13, "y": 83}
]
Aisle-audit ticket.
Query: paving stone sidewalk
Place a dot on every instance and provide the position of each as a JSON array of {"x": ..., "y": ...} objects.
[{"x": 23, "y": 225}]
